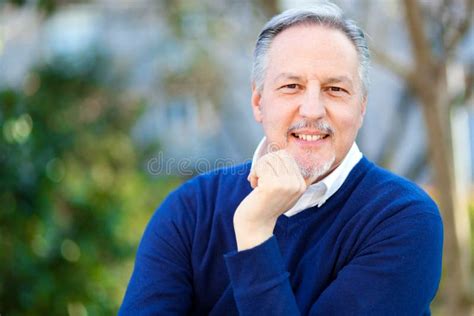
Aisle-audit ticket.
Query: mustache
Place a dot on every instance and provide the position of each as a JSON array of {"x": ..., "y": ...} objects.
[{"x": 318, "y": 125}]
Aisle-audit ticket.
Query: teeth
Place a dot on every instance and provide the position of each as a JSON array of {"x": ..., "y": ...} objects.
[{"x": 309, "y": 137}]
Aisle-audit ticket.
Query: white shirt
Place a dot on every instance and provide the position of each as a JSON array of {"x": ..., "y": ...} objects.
[{"x": 318, "y": 193}]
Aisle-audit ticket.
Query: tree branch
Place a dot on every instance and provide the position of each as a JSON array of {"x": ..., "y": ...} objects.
[
  {"x": 463, "y": 27},
  {"x": 419, "y": 40},
  {"x": 398, "y": 68}
]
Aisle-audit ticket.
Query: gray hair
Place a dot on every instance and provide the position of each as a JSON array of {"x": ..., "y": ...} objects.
[{"x": 323, "y": 13}]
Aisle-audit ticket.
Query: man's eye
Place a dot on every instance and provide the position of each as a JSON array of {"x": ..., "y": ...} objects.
[
  {"x": 336, "y": 90},
  {"x": 290, "y": 88}
]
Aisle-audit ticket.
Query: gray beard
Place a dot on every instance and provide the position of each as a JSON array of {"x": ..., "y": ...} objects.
[
  {"x": 314, "y": 171},
  {"x": 317, "y": 170}
]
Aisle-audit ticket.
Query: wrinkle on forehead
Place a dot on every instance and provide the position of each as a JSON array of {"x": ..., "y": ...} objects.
[{"x": 313, "y": 52}]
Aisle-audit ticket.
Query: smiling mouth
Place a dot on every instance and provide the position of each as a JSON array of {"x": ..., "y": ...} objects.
[{"x": 310, "y": 137}]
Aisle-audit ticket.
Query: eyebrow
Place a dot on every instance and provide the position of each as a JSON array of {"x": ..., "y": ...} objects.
[{"x": 286, "y": 76}]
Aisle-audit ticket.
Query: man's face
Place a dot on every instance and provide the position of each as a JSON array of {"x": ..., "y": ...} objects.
[{"x": 311, "y": 102}]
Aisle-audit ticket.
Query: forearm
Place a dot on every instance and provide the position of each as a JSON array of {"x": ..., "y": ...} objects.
[
  {"x": 257, "y": 271},
  {"x": 249, "y": 234}
]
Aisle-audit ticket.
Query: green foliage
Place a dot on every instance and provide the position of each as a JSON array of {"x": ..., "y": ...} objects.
[
  {"x": 73, "y": 197},
  {"x": 46, "y": 6}
]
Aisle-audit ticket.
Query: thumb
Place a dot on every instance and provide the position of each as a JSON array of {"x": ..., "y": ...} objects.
[{"x": 252, "y": 178}]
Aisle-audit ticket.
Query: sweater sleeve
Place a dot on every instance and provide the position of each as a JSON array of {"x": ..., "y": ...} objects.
[
  {"x": 161, "y": 281},
  {"x": 260, "y": 282},
  {"x": 396, "y": 273}
]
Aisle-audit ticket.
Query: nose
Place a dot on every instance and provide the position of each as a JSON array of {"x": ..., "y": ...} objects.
[{"x": 312, "y": 106}]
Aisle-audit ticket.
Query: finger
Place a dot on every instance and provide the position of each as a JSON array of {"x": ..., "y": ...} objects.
[
  {"x": 295, "y": 169},
  {"x": 281, "y": 163},
  {"x": 263, "y": 171},
  {"x": 264, "y": 166},
  {"x": 271, "y": 167},
  {"x": 251, "y": 173},
  {"x": 289, "y": 172},
  {"x": 290, "y": 163},
  {"x": 253, "y": 180}
]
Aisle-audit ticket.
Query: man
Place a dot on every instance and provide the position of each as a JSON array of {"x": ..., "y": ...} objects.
[{"x": 310, "y": 227}]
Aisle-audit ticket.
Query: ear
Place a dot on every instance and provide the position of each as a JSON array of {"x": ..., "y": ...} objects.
[
  {"x": 256, "y": 108},
  {"x": 363, "y": 108}
]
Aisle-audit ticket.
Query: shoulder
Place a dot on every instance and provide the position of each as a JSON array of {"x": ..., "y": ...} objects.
[
  {"x": 225, "y": 180},
  {"x": 383, "y": 205},
  {"x": 394, "y": 214},
  {"x": 204, "y": 191},
  {"x": 222, "y": 176},
  {"x": 383, "y": 187}
]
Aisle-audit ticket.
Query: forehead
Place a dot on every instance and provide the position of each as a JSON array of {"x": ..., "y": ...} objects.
[{"x": 312, "y": 49}]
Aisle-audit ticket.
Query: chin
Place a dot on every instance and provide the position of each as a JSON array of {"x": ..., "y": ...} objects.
[{"x": 315, "y": 169}]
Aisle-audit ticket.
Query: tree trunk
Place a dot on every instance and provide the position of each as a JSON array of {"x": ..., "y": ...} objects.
[
  {"x": 432, "y": 90},
  {"x": 429, "y": 82}
]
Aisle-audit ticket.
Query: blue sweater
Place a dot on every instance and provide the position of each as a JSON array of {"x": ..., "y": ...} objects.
[{"x": 374, "y": 248}]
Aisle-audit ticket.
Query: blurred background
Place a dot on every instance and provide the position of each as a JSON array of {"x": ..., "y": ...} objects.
[{"x": 106, "y": 106}]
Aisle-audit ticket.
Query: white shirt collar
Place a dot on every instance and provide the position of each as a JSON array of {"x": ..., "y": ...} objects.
[{"x": 318, "y": 193}]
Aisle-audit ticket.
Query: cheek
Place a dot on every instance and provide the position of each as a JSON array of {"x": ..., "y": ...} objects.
[
  {"x": 276, "y": 116},
  {"x": 275, "y": 122},
  {"x": 347, "y": 123}
]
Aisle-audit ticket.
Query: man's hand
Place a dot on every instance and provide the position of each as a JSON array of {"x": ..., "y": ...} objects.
[{"x": 278, "y": 184}]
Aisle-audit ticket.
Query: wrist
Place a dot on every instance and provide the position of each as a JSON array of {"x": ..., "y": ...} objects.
[{"x": 249, "y": 234}]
